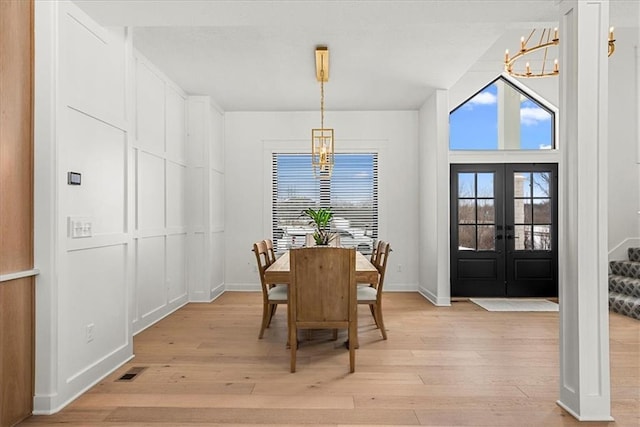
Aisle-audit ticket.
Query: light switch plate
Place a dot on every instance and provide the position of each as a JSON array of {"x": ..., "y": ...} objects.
[{"x": 80, "y": 227}]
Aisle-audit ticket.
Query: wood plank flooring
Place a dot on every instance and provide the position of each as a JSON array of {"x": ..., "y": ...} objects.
[{"x": 453, "y": 366}]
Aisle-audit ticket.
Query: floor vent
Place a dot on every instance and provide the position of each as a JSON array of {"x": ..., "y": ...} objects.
[{"x": 132, "y": 373}]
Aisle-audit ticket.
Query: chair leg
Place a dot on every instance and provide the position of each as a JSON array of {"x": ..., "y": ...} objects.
[
  {"x": 380, "y": 322},
  {"x": 293, "y": 343},
  {"x": 272, "y": 312},
  {"x": 266, "y": 308},
  {"x": 373, "y": 313}
]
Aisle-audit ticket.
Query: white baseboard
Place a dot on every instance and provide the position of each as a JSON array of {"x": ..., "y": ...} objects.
[
  {"x": 433, "y": 299},
  {"x": 243, "y": 287},
  {"x": 216, "y": 292},
  {"x": 52, "y": 403}
]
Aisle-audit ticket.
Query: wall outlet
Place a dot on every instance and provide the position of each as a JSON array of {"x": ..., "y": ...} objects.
[
  {"x": 89, "y": 332},
  {"x": 399, "y": 268}
]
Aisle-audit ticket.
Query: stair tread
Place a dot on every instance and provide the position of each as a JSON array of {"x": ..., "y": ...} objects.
[
  {"x": 624, "y": 261},
  {"x": 625, "y": 268},
  {"x": 624, "y": 285},
  {"x": 625, "y": 304}
]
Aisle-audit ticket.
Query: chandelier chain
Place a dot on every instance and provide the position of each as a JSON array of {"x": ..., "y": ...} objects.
[{"x": 322, "y": 97}]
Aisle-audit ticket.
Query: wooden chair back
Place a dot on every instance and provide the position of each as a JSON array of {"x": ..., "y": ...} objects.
[
  {"x": 322, "y": 293},
  {"x": 271, "y": 254},
  {"x": 372, "y": 294},
  {"x": 375, "y": 252},
  {"x": 272, "y": 295},
  {"x": 262, "y": 261},
  {"x": 380, "y": 263}
]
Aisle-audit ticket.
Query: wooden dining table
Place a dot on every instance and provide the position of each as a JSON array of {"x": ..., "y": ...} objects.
[{"x": 279, "y": 273}]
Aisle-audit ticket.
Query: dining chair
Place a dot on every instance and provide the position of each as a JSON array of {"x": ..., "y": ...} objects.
[
  {"x": 372, "y": 295},
  {"x": 272, "y": 295},
  {"x": 322, "y": 294},
  {"x": 271, "y": 254},
  {"x": 373, "y": 259}
]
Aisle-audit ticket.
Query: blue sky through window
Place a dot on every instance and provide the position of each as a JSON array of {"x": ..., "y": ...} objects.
[{"x": 474, "y": 124}]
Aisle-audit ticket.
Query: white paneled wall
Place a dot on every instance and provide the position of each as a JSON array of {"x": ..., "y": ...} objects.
[
  {"x": 160, "y": 183},
  {"x": 205, "y": 202},
  {"x": 82, "y": 323}
]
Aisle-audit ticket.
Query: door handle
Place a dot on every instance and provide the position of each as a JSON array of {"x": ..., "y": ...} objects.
[{"x": 499, "y": 237}]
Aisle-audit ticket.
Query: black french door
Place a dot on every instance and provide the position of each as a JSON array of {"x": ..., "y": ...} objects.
[{"x": 504, "y": 230}]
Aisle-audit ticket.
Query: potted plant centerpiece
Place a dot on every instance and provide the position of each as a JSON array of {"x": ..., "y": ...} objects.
[{"x": 320, "y": 218}]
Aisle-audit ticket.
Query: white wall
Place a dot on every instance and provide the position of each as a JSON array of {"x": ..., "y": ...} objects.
[
  {"x": 250, "y": 138},
  {"x": 82, "y": 322},
  {"x": 434, "y": 199},
  {"x": 624, "y": 171}
]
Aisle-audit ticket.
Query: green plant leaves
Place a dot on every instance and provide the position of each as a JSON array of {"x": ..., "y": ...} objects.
[{"x": 320, "y": 219}]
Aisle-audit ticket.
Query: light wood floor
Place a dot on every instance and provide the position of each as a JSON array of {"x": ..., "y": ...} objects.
[{"x": 457, "y": 365}]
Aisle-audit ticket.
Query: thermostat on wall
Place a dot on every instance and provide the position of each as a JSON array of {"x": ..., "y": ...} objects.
[{"x": 74, "y": 178}]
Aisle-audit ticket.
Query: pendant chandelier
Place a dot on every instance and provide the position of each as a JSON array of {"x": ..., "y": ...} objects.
[
  {"x": 548, "y": 38},
  {"x": 322, "y": 149}
]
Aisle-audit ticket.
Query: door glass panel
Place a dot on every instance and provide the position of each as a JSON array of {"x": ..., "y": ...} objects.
[
  {"x": 522, "y": 184},
  {"x": 486, "y": 238},
  {"x": 486, "y": 211},
  {"x": 466, "y": 237},
  {"x": 466, "y": 211},
  {"x": 521, "y": 211},
  {"x": 522, "y": 237},
  {"x": 532, "y": 205},
  {"x": 466, "y": 185},
  {"x": 541, "y": 182},
  {"x": 541, "y": 237},
  {"x": 542, "y": 211},
  {"x": 485, "y": 185},
  {"x": 477, "y": 206}
]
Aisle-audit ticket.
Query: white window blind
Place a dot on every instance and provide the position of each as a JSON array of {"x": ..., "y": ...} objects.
[{"x": 352, "y": 194}]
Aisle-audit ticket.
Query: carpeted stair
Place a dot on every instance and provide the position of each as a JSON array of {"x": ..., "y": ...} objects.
[{"x": 624, "y": 285}]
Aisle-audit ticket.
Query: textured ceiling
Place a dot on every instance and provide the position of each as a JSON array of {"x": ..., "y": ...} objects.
[{"x": 384, "y": 55}]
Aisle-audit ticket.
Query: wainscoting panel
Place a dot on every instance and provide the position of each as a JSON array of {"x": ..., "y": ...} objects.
[
  {"x": 151, "y": 292},
  {"x": 176, "y": 266}
]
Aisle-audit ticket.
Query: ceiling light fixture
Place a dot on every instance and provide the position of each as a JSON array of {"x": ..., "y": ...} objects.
[
  {"x": 548, "y": 38},
  {"x": 322, "y": 147}
]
